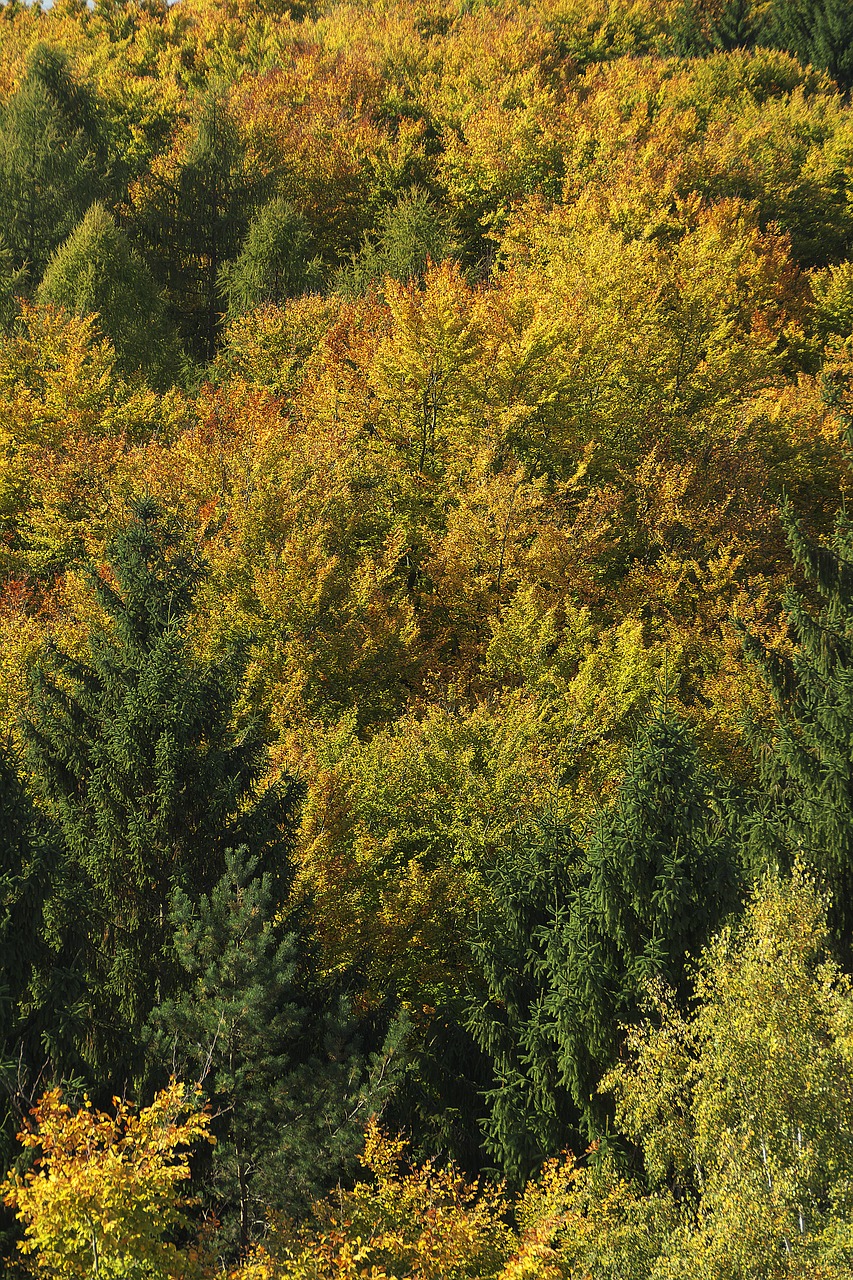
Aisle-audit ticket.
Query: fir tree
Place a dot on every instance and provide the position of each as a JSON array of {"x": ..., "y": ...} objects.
[
  {"x": 136, "y": 753},
  {"x": 804, "y": 808},
  {"x": 281, "y": 1064},
  {"x": 96, "y": 271},
  {"x": 275, "y": 262},
  {"x": 658, "y": 875}
]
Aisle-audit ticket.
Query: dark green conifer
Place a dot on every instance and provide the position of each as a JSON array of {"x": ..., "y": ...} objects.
[
  {"x": 805, "y": 803},
  {"x": 136, "y": 752},
  {"x": 280, "y": 1061},
  {"x": 275, "y": 262},
  {"x": 819, "y": 32},
  {"x": 529, "y": 1111},
  {"x": 658, "y": 875}
]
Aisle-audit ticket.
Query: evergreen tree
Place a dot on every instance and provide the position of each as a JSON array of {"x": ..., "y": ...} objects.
[
  {"x": 805, "y": 804},
  {"x": 48, "y": 160},
  {"x": 530, "y": 1113},
  {"x": 191, "y": 218},
  {"x": 282, "y": 1066},
  {"x": 275, "y": 262},
  {"x": 819, "y": 32},
  {"x": 26, "y": 1030},
  {"x": 97, "y": 271},
  {"x": 136, "y": 752},
  {"x": 411, "y": 234},
  {"x": 658, "y": 875},
  {"x": 13, "y": 283}
]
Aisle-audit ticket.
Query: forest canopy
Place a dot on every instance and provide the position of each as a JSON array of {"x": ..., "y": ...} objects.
[{"x": 426, "y": 636}]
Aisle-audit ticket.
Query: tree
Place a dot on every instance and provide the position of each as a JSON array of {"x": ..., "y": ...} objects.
[
  {"x": 48, "y": 161},
  {"x": 13, "y": 282},
  {"x": 657, "y": 878},
  {"x": 105, "y": 1189},
  {"x": 743, "y": 1107},
  {"x": 530, "y": 1113},
  {"x": 136, "y": 752},
  {"x": 280, "y": 1061},
  {"x": 189, "y": 214},
  {"x": 275, "y": 261},
  {"x": 98, "y": 272},
  {"x": 412, "y": 233},
  {"x": 819, "y": 32},
  {"x": 804, "y": 807}
]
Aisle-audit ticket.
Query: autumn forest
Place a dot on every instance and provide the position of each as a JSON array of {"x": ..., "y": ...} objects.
[{"x": 426, "y": 639}]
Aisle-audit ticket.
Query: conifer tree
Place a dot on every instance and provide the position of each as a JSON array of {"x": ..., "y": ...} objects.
[
  {"x": 529, "y": 1112},
  {"x": 805, "y": 803},
  {"x": 411, "y": 234},
  {"x": 26, "y": 866},
  {"x": 97, "y": 271},
  {"x": 819, "y": 32},
  {"x": 190, "y": 218},
  {"x": 136, "y": 752},
  {"x": 48, "y": 159},
  {"x": 658, "y": 875},
  {"x": 281, "y": 1063},
  {"x": 275, "y": 262}
]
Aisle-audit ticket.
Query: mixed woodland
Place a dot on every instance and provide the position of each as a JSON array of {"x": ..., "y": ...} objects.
[{"x": 426, "y": 639}]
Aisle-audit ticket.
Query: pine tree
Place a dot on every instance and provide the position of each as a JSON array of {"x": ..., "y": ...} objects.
[
  {"x": 48, "y": 160},
  {"x": 281, "y": 1064},
  {"x": 136, "y": 753},
  {"x": 97, "y": 271},
  {"x": 805, "y": 804},
  {"x": 658, "y": 875},
  {"x": 275, "y": 262},
  {"x": 530, "y": 1113}
]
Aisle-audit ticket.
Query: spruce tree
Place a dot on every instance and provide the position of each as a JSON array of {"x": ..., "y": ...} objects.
[
  {"x": 137, "y": 755},
  {"x": 275, "y": 262},
  {"x": 804, "y": 807},
  {"x": 97, "y": 271},
  {"x": 819, "y": 32},
  {"x": 657, "y": 877},
  {"x": 28, "y": 1032},
  {"x": 529, "y": 1111},
  {"x": 48, "y": 160},
  {"x": 280, "y": 1060}
]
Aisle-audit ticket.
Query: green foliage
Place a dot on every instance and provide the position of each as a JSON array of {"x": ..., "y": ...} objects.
[
  {"x": 48, "y": 164},
  {"x": 275, "y": 261},
  {"x": 530, "y": 1112},
  {"x": 280, "y": 1061},
  {"x": 744, "y": 1105},
  {"x": 805, "y": 807},
  {"x": 136, "y": 753},
  {"x": 97, "y": 272},
  {"x": 819, "y": 32},
  {"x": 411, "y": 234}
]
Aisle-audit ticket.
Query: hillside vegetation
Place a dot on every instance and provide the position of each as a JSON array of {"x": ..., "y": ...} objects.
[{"x": 426, "y": 639}]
